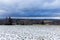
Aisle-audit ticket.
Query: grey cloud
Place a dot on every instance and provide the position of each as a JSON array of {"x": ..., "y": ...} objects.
[{"x": 18, "y": 6}]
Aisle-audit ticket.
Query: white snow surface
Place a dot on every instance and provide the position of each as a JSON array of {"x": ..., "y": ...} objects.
[{"x": 29, "y": 32}]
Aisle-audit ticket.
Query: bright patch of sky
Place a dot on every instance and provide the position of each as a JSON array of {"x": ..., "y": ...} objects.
[{"x": 30, "y": 8}]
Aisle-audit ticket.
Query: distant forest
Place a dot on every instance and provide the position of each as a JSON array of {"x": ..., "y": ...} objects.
[{"x": 10, "y": 21}]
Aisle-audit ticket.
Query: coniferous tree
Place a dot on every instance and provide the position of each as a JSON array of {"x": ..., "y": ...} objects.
[
  {"x": 9, "y": 21},
  {"x": 42, "y": 22}
]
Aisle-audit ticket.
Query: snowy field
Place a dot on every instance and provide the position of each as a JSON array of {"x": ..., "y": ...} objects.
[{"x": 30, "y": 32}]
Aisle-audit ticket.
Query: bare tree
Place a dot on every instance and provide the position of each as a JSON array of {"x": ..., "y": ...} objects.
[{"x": 9, "y": 22}]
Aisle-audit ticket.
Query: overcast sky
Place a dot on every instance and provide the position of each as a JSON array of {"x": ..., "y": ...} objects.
[{"x": 29, "y": 8}]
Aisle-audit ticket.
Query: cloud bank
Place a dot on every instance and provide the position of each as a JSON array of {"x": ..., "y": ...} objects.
[{"x": 21, "y": 8}]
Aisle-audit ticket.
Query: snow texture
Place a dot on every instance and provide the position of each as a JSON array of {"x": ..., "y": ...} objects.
[{"x": 30, "y": 32}]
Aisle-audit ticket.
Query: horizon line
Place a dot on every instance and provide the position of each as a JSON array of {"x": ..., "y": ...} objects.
[{"x": 31, "y": 17}]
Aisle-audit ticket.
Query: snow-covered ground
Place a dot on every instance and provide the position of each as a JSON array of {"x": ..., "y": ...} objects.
[{"x": 30, "y": 32}]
